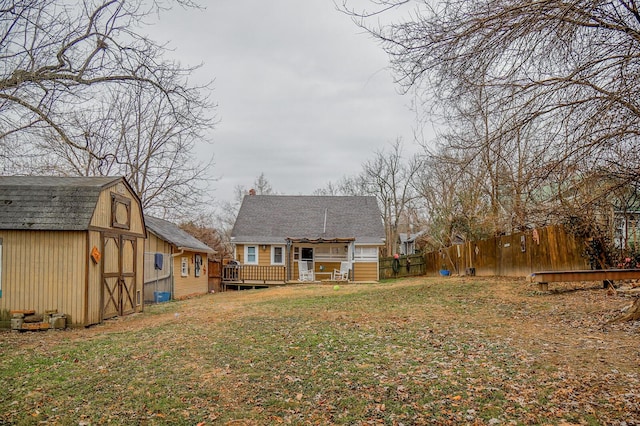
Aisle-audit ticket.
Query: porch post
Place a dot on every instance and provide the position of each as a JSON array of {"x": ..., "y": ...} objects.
[
  {"x": 288, "y": 254},
  {"x": 351, "y": 257}
]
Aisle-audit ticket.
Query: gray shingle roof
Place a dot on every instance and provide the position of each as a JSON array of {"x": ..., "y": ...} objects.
[
  {"x": 50, "y": 203},
  {"x": 273, "y": 218},
  {"x": 176, "y": 236},
  {"x": 409, "y": 238}
]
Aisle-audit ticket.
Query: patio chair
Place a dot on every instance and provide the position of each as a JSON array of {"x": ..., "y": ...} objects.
[
  {"x": 305, "y": 274},
  {"x": 342, "y": 274}
]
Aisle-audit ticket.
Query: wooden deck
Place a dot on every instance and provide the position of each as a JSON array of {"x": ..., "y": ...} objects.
[
  {"x": 247, "y": 284},
  {"x": 253, "y": 274},
  {"x": 544, "y": 278},
  {"x": 240, "y": 277}
]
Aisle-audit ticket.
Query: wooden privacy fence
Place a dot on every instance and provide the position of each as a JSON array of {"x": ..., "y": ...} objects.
[
  {"x": 407, "y": 266},
  {"x": 215, "y": 275},
  {"x": 518, "y": 255}
]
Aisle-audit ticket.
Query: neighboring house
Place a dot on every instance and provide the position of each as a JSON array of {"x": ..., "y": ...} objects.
[
  {"x": 626, "y": 229},
  {"x": 175, "y": 262},
  {"x": 274, "y": 233},
  {"x": 407, "y": 242},
  {"x": 73, "y": 245}
]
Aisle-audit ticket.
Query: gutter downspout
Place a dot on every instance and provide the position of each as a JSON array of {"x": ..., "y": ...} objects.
[{"x": 173, "y": 275}]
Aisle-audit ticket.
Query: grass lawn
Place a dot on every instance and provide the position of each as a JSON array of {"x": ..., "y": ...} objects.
[{"x": 406, "y": 352}]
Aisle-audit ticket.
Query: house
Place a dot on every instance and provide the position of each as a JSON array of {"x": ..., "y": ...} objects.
[
  {"x": 407, "y": 242},
  {"x": 72, "y": 245},
  {"x": 175, "y": 262},
  {"x": 274, "y": 234}
]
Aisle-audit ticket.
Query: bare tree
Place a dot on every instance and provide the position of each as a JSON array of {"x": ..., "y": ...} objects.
[
  {"x": 146, "y": 139},
  {"x": 202, "y": 228},
  {"x": 59, "y": 56},
  {"x": 508, "y": 168},
  {"x": 262, "y": 186},
  {"x": 557, "y": 81},
  {"x": 390, "y": 178},
  {"x": 330, "y": 188},
  {"x": 227, "y": 211},
  {"x": 454, "y": 198}
]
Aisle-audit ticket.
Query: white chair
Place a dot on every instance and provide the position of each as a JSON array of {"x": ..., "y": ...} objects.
[
  {"x": 342, "y": 274},
  {"x": 305, "y": 274}
]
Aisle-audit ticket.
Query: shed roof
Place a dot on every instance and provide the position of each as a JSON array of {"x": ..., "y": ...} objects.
[
  {"x": 274, "y": 218},
  {"x": 176, "y": 236},
  {"x": 49, "y": 202}
]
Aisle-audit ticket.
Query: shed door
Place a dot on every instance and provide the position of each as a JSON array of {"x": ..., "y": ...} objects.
[{"x": 119, "y": 275}]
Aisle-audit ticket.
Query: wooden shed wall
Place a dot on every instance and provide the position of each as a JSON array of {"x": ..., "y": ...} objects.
[
  {"x": 139, "y": 258},
  {"x": 102, "y": 214},
  {"x": 154, "y": 244},
  {"x": 44, "y": 270},
  {"x": 102, "y": 221},
  {"x": 94, "y": 281},
  {"x": 140, "y": 275},
  {"x": 189, "y": 285},
  {"x": 157, "y": 280}
]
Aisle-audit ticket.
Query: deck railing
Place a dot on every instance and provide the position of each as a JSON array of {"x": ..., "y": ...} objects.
[{"x": 253, "y": 273}]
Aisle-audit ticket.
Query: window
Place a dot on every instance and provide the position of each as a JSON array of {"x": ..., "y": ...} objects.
[
  {"x": 184, "y": 267},
  {"x": 366, "y": 254},
  {"x": 251, "y": 255},
  {"x": 306, "y": 253},
  {"x": 277, "y": 255},
  {"x": 197, "y": 264},
  {"x": 120, "y": 212},
  {"x": 626, "y": 230},
  {"x": 331, "y": 253}
]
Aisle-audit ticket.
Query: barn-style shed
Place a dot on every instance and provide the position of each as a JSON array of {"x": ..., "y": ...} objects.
[{"x": 71, "y": 244}]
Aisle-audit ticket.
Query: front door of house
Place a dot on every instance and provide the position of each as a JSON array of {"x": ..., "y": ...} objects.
[
  {"x": 119, "y": 292},
  {"x": 306, "y": 255}
]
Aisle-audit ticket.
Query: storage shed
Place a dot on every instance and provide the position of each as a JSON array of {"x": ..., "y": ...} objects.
[
  {"x": 74, "y": 245},
  {"x": 175, "y": 262}
]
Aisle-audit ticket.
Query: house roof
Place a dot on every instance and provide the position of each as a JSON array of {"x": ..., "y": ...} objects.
[
  {"x": 176, "y": 236},
  {"x": 50, "y": 203},
  {"x": 275, "y": 218},
  {"x": 409, "y": 238}
]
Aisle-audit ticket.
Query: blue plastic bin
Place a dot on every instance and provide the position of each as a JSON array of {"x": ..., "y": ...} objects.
[{"x": 161, "y": 296}]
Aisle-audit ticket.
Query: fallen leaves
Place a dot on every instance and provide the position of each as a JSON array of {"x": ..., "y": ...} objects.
[{"x": 413, "y": 352}]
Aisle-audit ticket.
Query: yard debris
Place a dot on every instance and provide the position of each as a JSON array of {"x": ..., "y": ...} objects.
[
  {"x": 22, "y": 320},
  {"x": 631, "y": 313}
]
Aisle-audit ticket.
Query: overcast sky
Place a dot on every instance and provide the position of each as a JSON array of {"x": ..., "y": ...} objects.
[{"x": 304, "y": 96}]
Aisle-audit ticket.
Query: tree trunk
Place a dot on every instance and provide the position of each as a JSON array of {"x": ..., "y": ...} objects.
[{"x": 632, "y": 314}]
